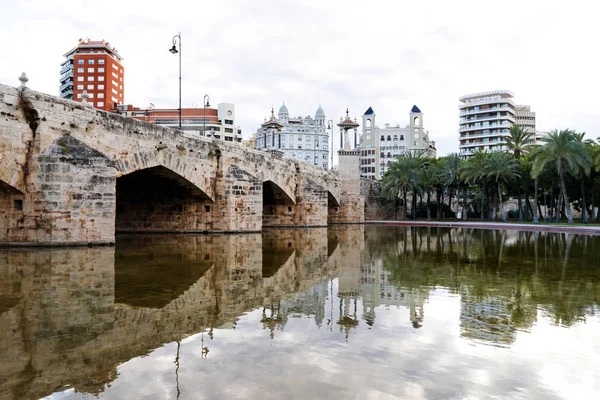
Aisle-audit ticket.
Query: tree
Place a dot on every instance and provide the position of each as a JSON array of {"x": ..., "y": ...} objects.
[
  {"x": 519, "y": 142},
  {"x": 502, "y": 168},
  {"x": 562, "y": 149},
  {"x": 474, "y": 171},
  {"x": 403, "y": 176},
  {"x": 584, "y": 171},
  {"x": 450, "y": 176}
]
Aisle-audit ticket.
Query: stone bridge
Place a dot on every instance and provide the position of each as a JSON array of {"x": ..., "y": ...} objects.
[{"x": 71, "y": 174}]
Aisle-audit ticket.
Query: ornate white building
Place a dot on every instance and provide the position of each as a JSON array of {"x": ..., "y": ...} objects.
[
  {"x": 380, "y": 147},
  {"x": 303, "y": 138}
]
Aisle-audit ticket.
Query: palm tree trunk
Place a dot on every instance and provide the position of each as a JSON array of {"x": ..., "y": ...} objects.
[
  {"x": 483, "y": 194},
  {"x": 536, "y": 216},
  {"x": 438, "y": 197},
  {"x": 565, "y": 197},
  {"x": 501, "y": 202},
  {"x": 584, "y": 218},
  {"x": 428, "y": 210},
  {"x": 404, "y": 201},
  {"x": 520, "y": 204},
  {"x": 494, "y": 204},
  {"x": 464, "y": 210}
]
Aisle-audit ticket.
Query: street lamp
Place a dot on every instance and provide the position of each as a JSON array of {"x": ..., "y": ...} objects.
[
  {"x": 330, "y": 127},
  {"x": 206, "y": 104},
  {"x": 173, "y": 50}
]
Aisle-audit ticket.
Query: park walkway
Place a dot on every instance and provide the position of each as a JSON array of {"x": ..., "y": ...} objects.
[{"x": 541, "y": 227}]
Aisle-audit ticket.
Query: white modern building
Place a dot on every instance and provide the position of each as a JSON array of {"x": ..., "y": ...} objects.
[
  {"x": 486, "y": 118},
  {"x": 303, "y": 138},
  {"x": 380, "y": 147}
]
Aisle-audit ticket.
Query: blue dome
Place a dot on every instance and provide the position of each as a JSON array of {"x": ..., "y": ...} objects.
[
  {"x": 320, "y": 112},
  {"x": 283, "y": 109}
]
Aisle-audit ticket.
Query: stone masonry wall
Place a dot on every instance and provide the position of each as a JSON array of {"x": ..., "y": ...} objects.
[
  {"x": 351, "y": 208},
  {"x": 377, "y": 208}
]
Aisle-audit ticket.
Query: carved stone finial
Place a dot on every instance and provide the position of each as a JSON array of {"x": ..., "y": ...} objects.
[
  {"x": 23, "y": 78},
  {"x": 84, "y": 97}
]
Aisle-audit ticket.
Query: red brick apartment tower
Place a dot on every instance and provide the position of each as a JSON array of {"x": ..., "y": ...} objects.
[{"x": 93, "y": 66}]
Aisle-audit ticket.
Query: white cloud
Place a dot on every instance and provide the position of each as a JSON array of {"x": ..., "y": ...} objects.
[{"x": 385, "y": 54}]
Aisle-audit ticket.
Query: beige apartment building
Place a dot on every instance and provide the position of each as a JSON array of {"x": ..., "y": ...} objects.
[{"x": 486, "y": 118}]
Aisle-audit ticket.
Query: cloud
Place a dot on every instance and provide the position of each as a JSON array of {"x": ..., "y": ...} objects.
[{"x": 385, "y": 54}]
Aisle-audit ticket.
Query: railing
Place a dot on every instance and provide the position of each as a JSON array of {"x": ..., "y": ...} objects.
[{"x": 66, "y": 68}]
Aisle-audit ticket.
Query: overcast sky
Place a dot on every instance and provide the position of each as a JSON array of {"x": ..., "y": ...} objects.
[{"x": 385, "y": 54}]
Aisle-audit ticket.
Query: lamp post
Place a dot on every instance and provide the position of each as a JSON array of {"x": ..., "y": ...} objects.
[
  {"x": 173, "y": 50},
  {"x": 206, "y": 104},
  {"x": 330, "y": 127}
]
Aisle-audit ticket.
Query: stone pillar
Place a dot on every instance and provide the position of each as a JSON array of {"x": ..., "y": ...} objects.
[
  {"x": 238, "y": 204},
  {"x": 351, "y": 208},
  {"x": 70, "y": 198}
]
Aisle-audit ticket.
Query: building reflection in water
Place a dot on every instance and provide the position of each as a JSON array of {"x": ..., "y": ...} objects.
[{"x": 72, "y": 316}]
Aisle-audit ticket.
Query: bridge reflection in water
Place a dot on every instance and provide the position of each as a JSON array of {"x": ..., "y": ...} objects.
[{"x": 70, "y": 317}]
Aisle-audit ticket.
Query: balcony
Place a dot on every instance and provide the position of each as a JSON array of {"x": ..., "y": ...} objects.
[
  {"x": 66, "y": 68},
  {"x": 509, "y": 117},
  {"x": 483, "y": 110},
  {"x": 480, "y": 127},
  {"x": 66, "y": 76},
  {"x": 67, "y": 85},
  {"x": 67, "y": 94}
]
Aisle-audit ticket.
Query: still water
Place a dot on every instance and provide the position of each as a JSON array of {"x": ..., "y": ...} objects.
[{"x": 349, "y": 312}]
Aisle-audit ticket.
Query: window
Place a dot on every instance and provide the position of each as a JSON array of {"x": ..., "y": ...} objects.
[
  {"x": 90, "y": 78},
  {"x": 115, "y": 67},
  {"x": 100, "y": 87},
  {"x": 115, "y": 75},
  {"x": 299, "y": 147},
  {"x": 228, "y": 122},
  {"x": 90, "y": 69},
  {"x": 91, "y": 95},
  {"x": 116, "y": 84},
  {"x": 79, "y": 87},
  {"x": 80, "y": 70},
  {"x": 401, "y": 137},
  {"x": 100, "y": 61},
  {"x": 78, "y": 95},
  {"x": 100, "y": 104},
  {"x": 115, "y": 99},
  {"x": 90, "y": 61},
  {"x": 91, "y": 104},
  {"x": 100, "y": 95},
  {"x": 101, "y": 78},
  {"x": 115, "y": 91},
  {"x": 80, "y": 61},
  {"x": 228, "y": 130},
  {"x": 90, "y": 87},
  {"x": 100, "y": 69},
  {"x": 80, "y": 79}
]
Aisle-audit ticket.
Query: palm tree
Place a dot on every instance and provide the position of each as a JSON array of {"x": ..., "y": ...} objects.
[
  {"x": 450, "y": 176},
  {"x": 584, "y": 171},
  {"x": 503, "y": 169},
  {"x": 519, "y": 142},
  {"x": 474, "y": 171},
  {"x": 567, "y": 154},
  {"x": 403, "y": 176},
  {"x": 429, "y": 180}
]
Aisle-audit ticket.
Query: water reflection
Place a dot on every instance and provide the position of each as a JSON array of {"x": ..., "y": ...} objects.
[{"x": 80, "y": 318}]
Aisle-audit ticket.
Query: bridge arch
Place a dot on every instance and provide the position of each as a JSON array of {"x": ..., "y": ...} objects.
[
  {"x": 198, "y": 173},
  {"x": 11, "y": 174},
  {"x": 157, "y": 199}
]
